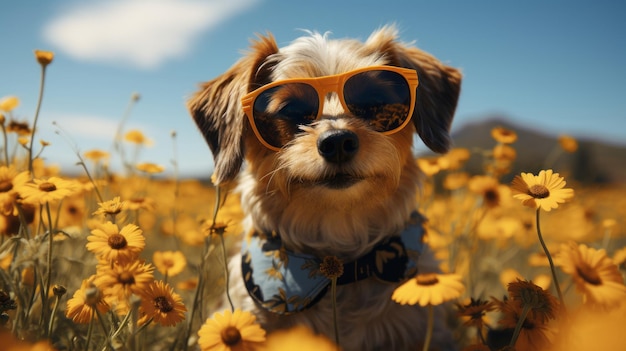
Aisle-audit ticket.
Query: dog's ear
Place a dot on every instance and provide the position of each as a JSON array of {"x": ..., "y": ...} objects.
[
  {"x": 216, "y": 107},
  {"x": 437, "y": 93}
]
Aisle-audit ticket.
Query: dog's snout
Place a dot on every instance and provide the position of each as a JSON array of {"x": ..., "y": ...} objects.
[{"x": 338, "y": 145}]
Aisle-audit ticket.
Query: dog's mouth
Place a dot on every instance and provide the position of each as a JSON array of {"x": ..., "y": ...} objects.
[{"x": 339, "y": 180}]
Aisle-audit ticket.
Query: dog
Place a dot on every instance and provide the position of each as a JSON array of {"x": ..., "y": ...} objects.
[{"x": 318, "y": 137}]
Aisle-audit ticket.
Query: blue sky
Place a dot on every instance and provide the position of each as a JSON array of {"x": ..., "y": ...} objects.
[{"x": 557, "y": 66}]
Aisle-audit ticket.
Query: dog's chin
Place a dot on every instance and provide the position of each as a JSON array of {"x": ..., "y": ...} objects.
[{"x": 338, "y": 181}]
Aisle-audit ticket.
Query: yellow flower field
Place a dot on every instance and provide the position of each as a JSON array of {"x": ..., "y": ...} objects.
[{"x": 134, "y": 261}]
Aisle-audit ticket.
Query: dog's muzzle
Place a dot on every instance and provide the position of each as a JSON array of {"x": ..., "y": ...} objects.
[{"x": 338, "y": 145}]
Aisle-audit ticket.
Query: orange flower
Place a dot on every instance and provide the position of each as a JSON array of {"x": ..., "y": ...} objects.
[
  {"x": 81, "y": 308},
  {"x": 568, "y": 143},
  {"x": 162, "y": 304},
  {"x": 44, "y": 57},
  {"x": 504, "y": 135}
]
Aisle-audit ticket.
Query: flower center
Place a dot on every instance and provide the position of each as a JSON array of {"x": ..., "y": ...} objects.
[
  {"x": 230, "y": 336},
  {"x": 126, "y": 278},
  {"x": 538, "y": 191},
  {"x": 168, "y": 263},
  {"x": 492, "y": 197},
  {"x": 162, "y": 304},
  {"x": 588, "y": 274},
  {"x": 331, "y": 267},
  {"x": 117, "y": 241},
  {"x": 5, "y": 186},
  {"x": 427, "y": 279},
  {"x": 47, "y": 187}
]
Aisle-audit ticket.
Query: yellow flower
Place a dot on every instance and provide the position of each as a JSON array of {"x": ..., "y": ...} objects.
[
  {"x": 429, "y": 165},
  {"x": 81, "y": 308},
  {"x": 454, "y": 159},
  {"x": 189, "y": 284},
  {"x": 503, "y": 152},
  {"x": 545, "y": 191},
  {"x": 619, "y": 256},
  {"x": 96, "y": 155},
  {"x": 136, "y": 137},
  {"x": 19, "y": 128},
  {"x": 143, "y": 203},
  {"x": 454, "y": 181},
  {"x": 169, "y": 263},
  {"x": 491, "y": 190},
  {"x": 151, "y": 168},
  {"x": 120, "y": 281},
  {"x": 228, "y": 331},
  {"x": 44, "y": 57},
  {"x": 594, "y": 274},
  {"x": 111, "y": 208},
  {"x": 429, "y": 289},
  {"x": 9, "y": 103},
  {"x": 41, "y": 191},
  {"x": 110, "y": 243},
  {"x": 504, "y": 135},
  {"x": 162, "y": 304},
  {"x": 298, "y": 338},
  {"x": 568, "y": 143},
  {"x": 10, "y": 180}
]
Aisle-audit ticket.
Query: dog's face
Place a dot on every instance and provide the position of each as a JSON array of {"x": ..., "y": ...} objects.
[{"x": 318, "y": 150}]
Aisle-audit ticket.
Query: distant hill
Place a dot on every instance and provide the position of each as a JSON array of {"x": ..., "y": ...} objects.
[{"x": 595, "y": 161}]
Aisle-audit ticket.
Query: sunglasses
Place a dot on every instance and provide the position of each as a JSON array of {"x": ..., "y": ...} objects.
[{"x": 381, "y": 96}]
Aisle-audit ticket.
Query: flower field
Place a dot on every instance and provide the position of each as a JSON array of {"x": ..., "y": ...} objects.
[{"x": 135, "y": 261}]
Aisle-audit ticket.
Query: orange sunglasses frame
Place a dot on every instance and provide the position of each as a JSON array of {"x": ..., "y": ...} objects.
[{"x": 326, "y": 84}]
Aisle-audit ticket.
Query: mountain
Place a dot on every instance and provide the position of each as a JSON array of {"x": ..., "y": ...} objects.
[{"x": 595, "y": 161}]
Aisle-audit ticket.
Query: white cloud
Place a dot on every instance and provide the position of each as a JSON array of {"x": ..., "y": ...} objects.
[
  {"x": 84, "y": 127},
  {"x": 144, "y": 33}
]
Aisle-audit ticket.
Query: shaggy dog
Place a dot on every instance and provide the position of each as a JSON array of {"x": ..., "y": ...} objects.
[{"x": 325, "y": 129}]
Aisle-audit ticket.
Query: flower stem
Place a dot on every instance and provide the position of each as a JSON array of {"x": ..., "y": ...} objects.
[
  {"x": 54, "y": 311},
  {"x": 520, "y": 323},
  {"x": 90, "y": 331},
  {"x": 226, "y": 274},
  {"x": 32, "y": 137},
  {"x": 333, "y": 293},
  {"x": 552, "y": 269},
  {"x": 44, "y": 303},
  {"x": 5, "y": 146},
  {"x": 429, "y": 327}
]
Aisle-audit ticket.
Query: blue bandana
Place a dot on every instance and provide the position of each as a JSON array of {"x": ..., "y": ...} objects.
[{"x": 285, "y": 282}]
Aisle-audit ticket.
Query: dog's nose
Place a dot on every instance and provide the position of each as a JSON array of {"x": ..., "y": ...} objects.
[{"x": 338, "y": 145}]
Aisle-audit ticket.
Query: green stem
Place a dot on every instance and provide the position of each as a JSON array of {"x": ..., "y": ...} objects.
[
  {"x": 49, "y": 271},
  {"x": 54, "y": 311},
  {"x": 90, "y": 330},
  {"x": 552, "y": 269},
  {"x": 226, "y": 274},
  {"x": 429, "y": 327},
  {"x": 518, "y": 326},
  {"x": 333, "y": 292},
  {"x": 32, "y": 138},
  {"x": 6, "y": 145}
]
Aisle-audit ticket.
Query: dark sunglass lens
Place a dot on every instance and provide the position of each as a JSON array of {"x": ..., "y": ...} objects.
[
  {"x": 279, "y": 111},
  {"x": 380, "y": 97}
]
